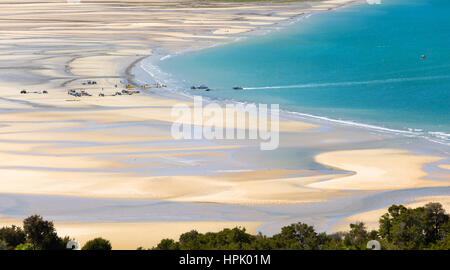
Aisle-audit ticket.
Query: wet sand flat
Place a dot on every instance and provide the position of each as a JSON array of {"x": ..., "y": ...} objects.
[{"x": 121, "y": 147}]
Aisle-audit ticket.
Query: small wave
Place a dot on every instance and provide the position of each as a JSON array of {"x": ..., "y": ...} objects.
[
  {"x": 352, "y": 123},
  {"x": 433, "y": 136},
  {"x": 312, "y": 85},
  {"x": 165, "y": 57},
  {"x": 440, "y": 135}
]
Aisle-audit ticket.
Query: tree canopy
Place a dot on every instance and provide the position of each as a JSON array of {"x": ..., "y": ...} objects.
[
  {"x": 425, "y": 227},
  {"x": 403, "y": 228},
  {"x": 97, "y": 244}
]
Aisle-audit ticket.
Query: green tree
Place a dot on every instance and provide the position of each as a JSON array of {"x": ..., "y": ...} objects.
[
  {"x": 335, "y": 241},
  {"x": 408, "y": 229},
  {"x": 357, "y": 237},
  {"x": 418, "y": 228},
  {"x": 443, "y": 244},
  {"x": 189, "y": 240},
  {"x": 385, "y": 229},
  {"x": 373, "y": 235},
  {"x": 12, "y": 236},
  {"x": 435, "y": 219},
  {"x": 166, "y": 244},
  {"x": 298, "y": 236},
  {"x": 24, "y": 246},
  {"x": 97, "y": 244},
  {"x": 42, "y": 234},
  {"x": 235, "y": 238},
  {"x": 262, "y": 242},
  {"x": 3, "y": 245}
]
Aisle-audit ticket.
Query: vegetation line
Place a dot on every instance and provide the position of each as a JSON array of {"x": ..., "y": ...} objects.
[{"x": 400, "y": 228}]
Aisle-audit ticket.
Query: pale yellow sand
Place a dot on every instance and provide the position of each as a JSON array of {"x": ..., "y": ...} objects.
[
  {"x": 231, "y": 31},
  {"x": 371, "y": 218},
  {"x": 185, "y": 35},
  {"x": 325, "y": 6},
  {"x": 444, "y": 166},
  {"x": 340, "y": 2},
  {"x": 254, "y": 187},
  {"x": 377, "y": 169},
  {"x": 49, "y": 152},
  {"x": 138, "y": 114},
  {"x": 130, "y": 236},
  {"x": 45, "y": 168}
]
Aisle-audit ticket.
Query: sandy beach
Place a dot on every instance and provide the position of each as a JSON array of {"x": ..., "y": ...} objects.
[
  {"x": 121, "y": 146},
  {"x": 377, "y": 169}
]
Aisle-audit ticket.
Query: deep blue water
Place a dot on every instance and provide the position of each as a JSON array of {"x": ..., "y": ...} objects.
[{"x": 361, "y": 63}]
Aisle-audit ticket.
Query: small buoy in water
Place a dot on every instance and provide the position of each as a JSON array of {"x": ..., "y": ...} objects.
[{"x": 423, "y": 57}]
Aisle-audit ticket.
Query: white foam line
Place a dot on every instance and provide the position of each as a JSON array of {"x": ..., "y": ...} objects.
[
  {"x": 408, "y": 133},
  {"x": 351, "y": 123},
  {"x": 165, "y": 57},
  {"x": 311, "y": 85}
]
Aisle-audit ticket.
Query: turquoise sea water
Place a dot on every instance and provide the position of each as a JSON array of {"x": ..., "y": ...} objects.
[{"x": 360, "y": 64}]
